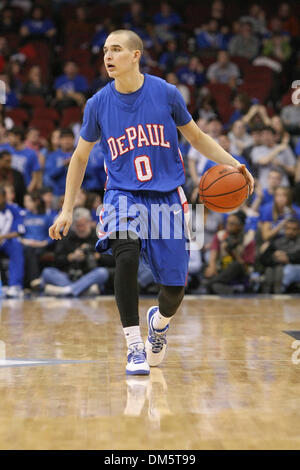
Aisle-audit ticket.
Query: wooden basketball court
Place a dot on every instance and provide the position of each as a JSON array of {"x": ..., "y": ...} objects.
[{"x": 229, "y": 381}]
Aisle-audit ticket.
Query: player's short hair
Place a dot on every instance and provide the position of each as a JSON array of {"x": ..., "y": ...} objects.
[{"x": 134, "y": 42}]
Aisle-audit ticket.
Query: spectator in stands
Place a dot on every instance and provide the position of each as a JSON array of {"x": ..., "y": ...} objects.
[
  {"x": 58, "y": 161},
  {"x": 193, "y": 73},
  {"x": 166, "y": 22},
  {"x": 102, "y": 31},
  {"x": 11, "y": 194},
  {"x": 274, "y": 216},
  {"x": 281, "y": 258},
  {"x": 264, "y": 196},
  {"x": 36, "y": 239},
  {"x": 223, "y": 71},
  {"x": 169, "y": 57},
  {"x": 48, "y": 199},
  {"x": 290, "y": 116},
  {"x": 36, "y": 142},
  {"x": 100, "y": 80},
  {"x": 70, "y": 87},
  {"x": 8, "y": 23},
  {"x": 245, "y": 44},
  {"x": 37, "y": 26},
  {"x": 81, "y": 23},
  {"x": 184, "y": 90},
  {"x": 11, "y": 226},
  {"x": 94, "y": 204},
  {"x": 208, "y": 108},
  {"x": 95, "y": 176},
  {"x": 256, "y": 17},
  {"x": 255, "y": 132},
  {"x": 210, "y": 36},
  {"x": 78, "y": 266},
  {"x": 277, "y": 47},
  {"x": 239, "y": 138},
  {"x": 24, "y": 159},
  {"x": 241, "y": 104},
  {"x": 14, "y": 71},
  {"x": 52, "y": 146},
  {"x": 11, "y": 99},
  {"x": 135, "y": 16},
  {"x": 217, "y": 10},
  {"x": 256, "y": 115},
  {"x": 34, "y": 84},
  {"x": 281, "y": 136},
  {"x": 225, "y": 142},
  {"x": 275, "y": 27},
  {"x": 231, "y": 255},
  {"x": 14, "y": 177},
  {"x": 289, "y": 21},
  {"x": 269, "y": 156}
]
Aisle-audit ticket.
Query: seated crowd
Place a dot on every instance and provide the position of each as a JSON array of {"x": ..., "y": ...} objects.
[{"x": 214, "y": 65}]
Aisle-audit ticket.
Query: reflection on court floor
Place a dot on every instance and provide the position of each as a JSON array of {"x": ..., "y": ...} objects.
[{"x": 229, "y": 379}]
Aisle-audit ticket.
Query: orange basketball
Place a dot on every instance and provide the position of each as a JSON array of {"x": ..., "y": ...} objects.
[{"x": 222, "y": 188}]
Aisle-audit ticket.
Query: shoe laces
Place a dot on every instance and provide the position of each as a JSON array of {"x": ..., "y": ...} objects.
[
  {"x": 158, "y": 340},
  {"x": 137, "y": 354}
]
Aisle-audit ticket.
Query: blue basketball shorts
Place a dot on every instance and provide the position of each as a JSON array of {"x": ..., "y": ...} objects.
[{"x": 160, "y": 220}]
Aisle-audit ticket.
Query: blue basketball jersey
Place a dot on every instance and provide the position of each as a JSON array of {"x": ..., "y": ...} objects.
[{"x": 138, "y": 134}]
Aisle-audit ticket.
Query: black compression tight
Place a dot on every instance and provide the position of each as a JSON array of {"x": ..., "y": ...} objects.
[{"x": 126, "y": 253}]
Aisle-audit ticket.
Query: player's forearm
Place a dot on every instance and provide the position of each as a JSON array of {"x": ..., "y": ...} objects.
[
  {"x": 74, "y": 179},
  {"x": 212, "y": 150}
]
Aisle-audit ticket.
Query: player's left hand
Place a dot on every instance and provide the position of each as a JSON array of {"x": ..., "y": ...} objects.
[{"x": 247, "y": 175}]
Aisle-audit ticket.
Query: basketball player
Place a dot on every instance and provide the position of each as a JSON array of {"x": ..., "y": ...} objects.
[{"x": 137, "y": 116}]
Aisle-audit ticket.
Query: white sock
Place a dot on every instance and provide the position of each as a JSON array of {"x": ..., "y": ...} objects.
[
  {"x": 159, "y": 321},
  {"x": 133, "y": 335}
]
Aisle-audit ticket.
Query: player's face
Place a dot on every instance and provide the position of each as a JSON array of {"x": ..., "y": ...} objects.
[{"x": 118, "y": 59}]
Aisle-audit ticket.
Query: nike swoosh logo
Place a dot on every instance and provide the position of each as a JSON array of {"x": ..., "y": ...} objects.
[{"x": 177, "y": 212}]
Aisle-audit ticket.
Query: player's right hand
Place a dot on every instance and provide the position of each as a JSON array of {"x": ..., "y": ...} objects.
[{"x": 62, "y": 223}]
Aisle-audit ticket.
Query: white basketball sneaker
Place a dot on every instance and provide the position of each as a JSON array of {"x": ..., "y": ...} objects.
[
  {"x": 137, "y": 360},
  {"x": 156, "y": 343}
]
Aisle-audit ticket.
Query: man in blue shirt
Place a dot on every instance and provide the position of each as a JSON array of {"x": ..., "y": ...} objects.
[
  {"x": 23, "y": 159},
  {"x": 137, "y": 116},
  {"x": 95, "y": 176},
  {"x": 58, "y": 162},
  {"x": 71, "y": 86},
  {"x": 11, "y": 226}
]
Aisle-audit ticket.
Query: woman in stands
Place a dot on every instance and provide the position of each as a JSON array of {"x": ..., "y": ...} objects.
[{"x": 273, "y": 216}]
